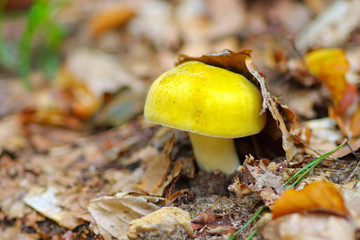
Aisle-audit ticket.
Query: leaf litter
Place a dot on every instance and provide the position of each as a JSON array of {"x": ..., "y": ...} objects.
[{"x": 78, "y": 161}]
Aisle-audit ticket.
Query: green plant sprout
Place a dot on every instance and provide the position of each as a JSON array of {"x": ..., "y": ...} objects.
[
  {"x": 310, "y": 166},
  {"x": 41, "y": 32},
  {"x": 304, "y": 170}
]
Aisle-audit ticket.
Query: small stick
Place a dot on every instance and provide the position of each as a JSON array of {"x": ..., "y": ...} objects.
[{"x": 357, "y": 165}]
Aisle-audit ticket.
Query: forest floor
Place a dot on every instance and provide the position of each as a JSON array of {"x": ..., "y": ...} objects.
[{"x": 79, "y": 161}]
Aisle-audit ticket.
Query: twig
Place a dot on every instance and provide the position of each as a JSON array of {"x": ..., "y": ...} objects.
[{"x": 357, "y": 165}]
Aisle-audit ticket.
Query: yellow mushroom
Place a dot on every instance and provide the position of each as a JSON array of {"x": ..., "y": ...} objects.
[{"x": 213, "y": 104}]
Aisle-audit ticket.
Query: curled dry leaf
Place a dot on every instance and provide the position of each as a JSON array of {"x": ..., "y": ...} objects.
[
  {"x": 321, "y": 196},
  {"x": 263, "y": 180},
  {"x": 330, "y": 67},
  {"x": 239, "y": 188},
  {"x": 214, "y": 223},
  {"x": 281, "y": 119}
]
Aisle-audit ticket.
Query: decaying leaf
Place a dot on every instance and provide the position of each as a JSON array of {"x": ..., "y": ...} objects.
[
  {"x": 239, "y": 188},
  {"x": 214, "y": 223},
  {"x": 101, "y": 72},
  {"x": 313, "y": 226},
  {"x": 11, "y": 137},
  {"x": 322, "y": 196},
  {"x": 332, "y": 27},
  {"x": 113, "y": 214},
  {"x": 47, "y": 204},
  {"x": 110, "y": 18},
  {"x": 330, "y": 67},
  {"x": 241, "y": 62},
  {"x": 156, "y": 172},
  {"x": 67, "y": 104},
  {"x": 15, "y": 232},
  {"x": 260, "y": 178}
]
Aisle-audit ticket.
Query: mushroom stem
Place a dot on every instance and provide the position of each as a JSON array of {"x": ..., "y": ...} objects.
[{"x": 215, "y": 153}]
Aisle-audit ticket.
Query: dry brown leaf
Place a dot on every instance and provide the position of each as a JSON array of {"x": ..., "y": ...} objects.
[
  {"x": 214, "y": 223},
  {"x": 322, "y": 196},
  {"x": 332, "y": 27},
  {"x": 110, "y": 18},
  {"x": 101, "y": 72},
  {"x": 157, "y": 170},
  {"x": 313, "y": 226},
  {"x": 85, "y": 101},
  {"x": 113, "y": 214},
  {"x": 330, "y": 67},
  {"x": 49, "y": 205},
  {"x": 260, "y": 178},
  {"x": 67, "y": 104},
  {"x": 16, "y": 232},
  {"x": 279, "y": 125},
  {"x": 11, "y": 137},
  {"x": 239, "y": 188}
]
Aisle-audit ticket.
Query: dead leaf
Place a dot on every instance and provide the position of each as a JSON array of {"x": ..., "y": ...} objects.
[
  {"x": 121, "y": 108},
  {"x": 101, "y": 72},
  {"x": 351, "y": 193},
  {"x": 332, "y": 27},
  {"x": 313, "y": 226},
  {"x": 214, "y": 223},
  {"x": 242, "y": 63},
  {"x": 15, "y": 232},
  {"x": 113, "y": 214},
  {"x": 157, "y": 170},
  {"x": 239, "y": 188},
  {"x": 11, "y": 137},
  {"x": 67, "y": 103},
  {"x": 330, "y": 67},
  {"x": 260, "y": 177},
  {"x": 268, "y": 195},
  {"x": 85, "y": 101},
  {"x": 109, "y": 18},
  {"x": 322, "y": 196},
  {"x": 48, "y": 205},
  {"x": 206, "y": 217}
]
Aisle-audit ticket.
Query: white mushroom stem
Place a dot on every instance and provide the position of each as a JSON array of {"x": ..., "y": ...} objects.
[{"x": 215, "y": 153}]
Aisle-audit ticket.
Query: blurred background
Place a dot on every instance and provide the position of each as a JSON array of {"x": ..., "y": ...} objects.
[{"x": 93, "y": 54}]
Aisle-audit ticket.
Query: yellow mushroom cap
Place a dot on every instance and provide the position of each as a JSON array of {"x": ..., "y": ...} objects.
[{"x": 207, "y": 100}]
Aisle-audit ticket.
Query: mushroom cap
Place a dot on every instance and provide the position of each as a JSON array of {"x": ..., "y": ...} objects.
[{"x": 207, "y": 100}]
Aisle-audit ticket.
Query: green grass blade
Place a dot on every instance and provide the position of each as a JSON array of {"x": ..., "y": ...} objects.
[
  {"x": 306, "y": 169},
  {"x": 312, "y": 165},
  {"x": 246, "y": 224},
  {"x": 251, "y": 235}
]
